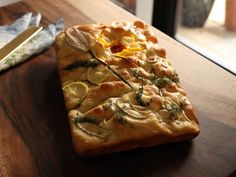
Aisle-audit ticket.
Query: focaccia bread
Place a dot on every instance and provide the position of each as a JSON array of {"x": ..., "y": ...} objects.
[{"x": 120, "y": 90}]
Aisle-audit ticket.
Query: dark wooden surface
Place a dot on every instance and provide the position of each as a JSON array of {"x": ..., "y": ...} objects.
[{"x": 34, "y": 133}]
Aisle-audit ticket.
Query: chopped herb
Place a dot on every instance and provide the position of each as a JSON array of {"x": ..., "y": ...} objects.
[
  {"x": 164, "y": 81},
  {"x": 81, "y": 63},
  {"x": 120, "y": 116},
  {"x": 138, "y": 96},
  {"x": 136, "y": 73},
  {"x": 121, "y": 119},
  {"x": 172, "y": 109},
  {"x": 174, "y": 78},
  {"x": 160, "y": 82},
  {"x": 86, "y": 119}
]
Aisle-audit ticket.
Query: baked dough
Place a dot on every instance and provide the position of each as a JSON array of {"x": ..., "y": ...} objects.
[{"x": 120, "y": 90}]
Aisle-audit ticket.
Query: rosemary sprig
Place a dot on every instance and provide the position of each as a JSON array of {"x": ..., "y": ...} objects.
[
  {"x": 113, "y": 71},
  {"x": 86, "y": 119},
  {"x": 139, "y": 95},
  {"x": 81, "y": 63}
]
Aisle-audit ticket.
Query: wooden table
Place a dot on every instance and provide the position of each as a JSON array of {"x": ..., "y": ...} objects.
[{"x": 34, "y": 133}]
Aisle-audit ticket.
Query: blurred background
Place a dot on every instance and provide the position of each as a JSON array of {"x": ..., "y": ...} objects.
[{"x": 206, "y": 26}]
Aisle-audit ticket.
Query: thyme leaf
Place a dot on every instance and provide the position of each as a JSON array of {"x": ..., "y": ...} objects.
[{"x": 81, "y": 63}]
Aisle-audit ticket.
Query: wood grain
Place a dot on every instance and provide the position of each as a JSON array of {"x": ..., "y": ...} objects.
[{"x": 34, "y": 133}]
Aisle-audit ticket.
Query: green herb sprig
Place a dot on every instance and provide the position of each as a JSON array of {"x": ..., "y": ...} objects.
[
  {"x": 139, "y": 95},
  {"x": 81, "y": 63},
  {"x": 86, "y": 119}
]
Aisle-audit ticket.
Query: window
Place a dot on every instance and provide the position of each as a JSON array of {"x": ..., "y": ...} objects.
[{"x": 209, "y": 35}]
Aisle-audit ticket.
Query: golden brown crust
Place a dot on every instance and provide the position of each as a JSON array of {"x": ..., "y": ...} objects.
[
  {"x": 152, "y": 141},
  {"x": 91, "y": 147},
  {"x": 148, "y": 108}
]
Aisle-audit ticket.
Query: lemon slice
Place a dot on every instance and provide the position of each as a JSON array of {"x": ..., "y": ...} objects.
[
  {"x": 74, "y": 93},
  {"x": 125, "y": 53},
  {"x": 134, "y": 46},
  {"x": 104, "y": 40},
  {"x": 97, "y": 74}
]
